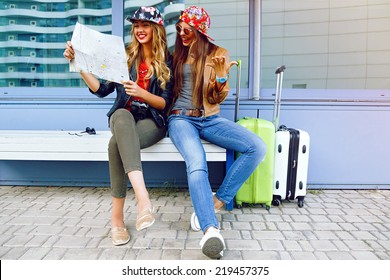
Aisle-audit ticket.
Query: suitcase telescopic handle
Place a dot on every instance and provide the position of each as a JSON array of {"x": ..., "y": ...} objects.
[
  {"x": 278, "y": 94},
  {"x": 238, "y": 86}
]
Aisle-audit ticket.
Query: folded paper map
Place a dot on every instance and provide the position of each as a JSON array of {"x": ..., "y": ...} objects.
[{"x": 100, "y": 54}]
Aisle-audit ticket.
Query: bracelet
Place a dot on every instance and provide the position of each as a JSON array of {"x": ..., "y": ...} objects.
[{"x": 222, "y": 80}]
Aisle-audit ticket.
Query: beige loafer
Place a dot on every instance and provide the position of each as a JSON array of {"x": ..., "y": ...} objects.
[
  {"x": 120, "y": 236},
  {"x": 145, "y": 219}
]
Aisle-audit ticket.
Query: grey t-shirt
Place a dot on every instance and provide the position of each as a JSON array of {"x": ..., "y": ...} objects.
[{"x": 184, "y": 101}]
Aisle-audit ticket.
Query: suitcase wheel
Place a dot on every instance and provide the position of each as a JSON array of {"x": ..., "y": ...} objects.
[
  {"x": 300, "y": 202},
  {"x": 276, "y": 202}
]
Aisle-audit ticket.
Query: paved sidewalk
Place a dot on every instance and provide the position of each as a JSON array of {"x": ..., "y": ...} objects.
[{"x": 72, "y": 223}]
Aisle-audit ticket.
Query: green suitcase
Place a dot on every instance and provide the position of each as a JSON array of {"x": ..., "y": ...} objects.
[{"x": 258, "y": 188}]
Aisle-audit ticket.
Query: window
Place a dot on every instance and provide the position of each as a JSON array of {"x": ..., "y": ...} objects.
[
  {"x": 326, "y": 44},
  {"x": 32, "y": 45},
  {"x": 33, "y": 35}
]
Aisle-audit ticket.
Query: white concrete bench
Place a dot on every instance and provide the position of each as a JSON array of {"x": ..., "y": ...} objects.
[{"x": 53, "y": 145}]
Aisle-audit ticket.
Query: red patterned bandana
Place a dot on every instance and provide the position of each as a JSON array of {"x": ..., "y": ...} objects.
[{"x": 197, "y": 18}]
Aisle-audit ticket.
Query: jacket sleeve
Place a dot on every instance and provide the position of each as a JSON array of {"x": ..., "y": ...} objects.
[
  {"x": 218, "y": 93},
  {"x": 105, "y": 89},
  {"x": 167, "y": 93}
]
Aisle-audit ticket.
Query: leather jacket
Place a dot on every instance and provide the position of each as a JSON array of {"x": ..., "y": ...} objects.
[
  {"x": 122, "y": 98},
  {"x": 212, "y": 94}
]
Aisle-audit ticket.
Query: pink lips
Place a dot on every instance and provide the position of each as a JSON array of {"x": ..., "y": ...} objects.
[{"x": 185, "y": 41}]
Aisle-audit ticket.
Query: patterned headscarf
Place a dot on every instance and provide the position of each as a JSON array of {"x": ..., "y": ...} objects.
[
  {"x": 197, "y": 18},
  {"x": 147, "y": 14}
]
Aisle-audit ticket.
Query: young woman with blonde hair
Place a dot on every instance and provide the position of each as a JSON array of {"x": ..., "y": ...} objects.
[{"x": 137, "y": 118}]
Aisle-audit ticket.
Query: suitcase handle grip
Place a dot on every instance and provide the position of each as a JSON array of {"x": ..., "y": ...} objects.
[{"x": 280, "y": 69}]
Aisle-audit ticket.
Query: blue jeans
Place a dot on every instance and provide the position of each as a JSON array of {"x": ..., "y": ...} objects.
[{"x": 186, "y": 132}]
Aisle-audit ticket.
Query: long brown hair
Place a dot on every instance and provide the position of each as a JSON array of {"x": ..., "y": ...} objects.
[
  {"x": 159, "y": 51},
  {"x": 199, "y": 50}
]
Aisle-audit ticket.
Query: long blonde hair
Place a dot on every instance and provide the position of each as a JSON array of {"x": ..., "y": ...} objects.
[
  {"x": 159, "y": 54},
  {"x": 199, "y": 50}
]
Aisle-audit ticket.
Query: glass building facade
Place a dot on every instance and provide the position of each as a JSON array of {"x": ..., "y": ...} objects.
[
  {"x": 329, "y": 44},
  {"x": 33, "y": 36}
]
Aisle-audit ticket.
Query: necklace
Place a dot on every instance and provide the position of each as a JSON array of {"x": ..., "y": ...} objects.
[{"x": 143, "y": 68}]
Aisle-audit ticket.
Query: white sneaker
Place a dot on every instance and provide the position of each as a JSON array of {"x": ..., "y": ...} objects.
[
  {"x": 195, "y": 223},
  {"x": 212, "y": 243}
]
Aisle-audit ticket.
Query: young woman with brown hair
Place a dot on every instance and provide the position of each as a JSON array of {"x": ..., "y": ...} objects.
[{"x": 201, "y": 83}]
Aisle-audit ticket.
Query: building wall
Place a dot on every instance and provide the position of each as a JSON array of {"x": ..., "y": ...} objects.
[
  {"x": 336, "y": 88},
  {"x": 349, "y": 142}
]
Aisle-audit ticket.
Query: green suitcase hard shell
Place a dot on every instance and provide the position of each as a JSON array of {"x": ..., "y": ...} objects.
[{"x": 258, "y": 188}]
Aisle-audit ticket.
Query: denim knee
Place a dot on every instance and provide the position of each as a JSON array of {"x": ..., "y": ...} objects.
[
  {"x": 261, "y": 149},
  {"x": 196, "y": 164}
]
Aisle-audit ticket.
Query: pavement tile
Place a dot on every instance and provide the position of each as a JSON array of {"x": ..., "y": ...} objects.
[
  {"x": 22, "y": 230},
  {"x": 383, "y": 255},
  {"x": 171, "y": 254},
  {"x": 72, "y": 242},
  {"x": 323, "y": 245},
  {"x": 82, "y": 254},
  {"x": 142, "y": 243},
  {"x": 64, "y": 223},
  {"x": 116, "y": 253},
  {"x": 46, "y": 230},
  {"x": 385, "y": 244},
  {"x": 54, "y": 254},
  {"x": 271, "y": 245},
  {"x": 37, "y": 241},
  {"x": 156, "y": 233},
  {"x": 364, "y": 255},
  {"x": 18, "y": 241},
  {"x": 325, "y": 226},
  {"x": 291, "y": 245},
  {"x": 271, "y": 235},
  {"x": 14, "y": 253},
  {"x": 303, "y": 256},
  {"x": 131, "y": 254},
  {"x": 301, "y": 226},
  {"x": 4, "y": 251},
  {"x": 325, "y": 234},
  {"x": 151, "y": 254},
  {"x": 363, "y": 235},
  {"x": 242, "y": 225},
  {"x": 283, "y": 226},
  {"x": 354, "y": 245},
  {"x": 35, "y": 254},
  {"x": 246, "y": 234},
  {"x": 260, "y": 255},
  {"x": 235, "y": 234},
  {"x": 193, "y": 254},
  {"x": 156, "y": 243},
  {"x": 173, "y": 244},
  {"x": 232, "y": 255},
  {"x": 242, "y": 244},
  {"x": 340, "y": 256}
]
